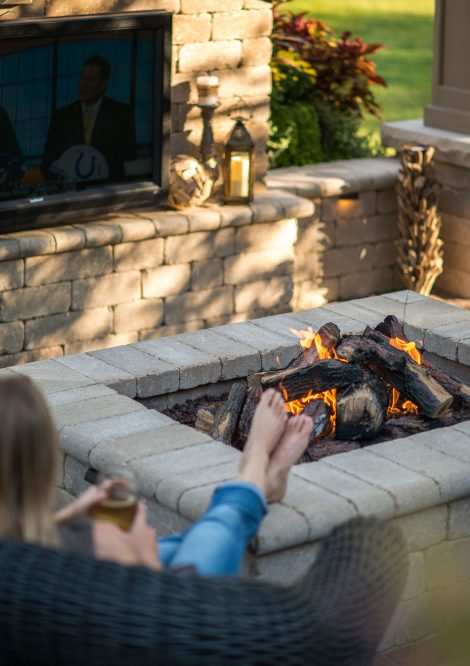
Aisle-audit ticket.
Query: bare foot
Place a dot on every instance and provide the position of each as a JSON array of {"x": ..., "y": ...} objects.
[
  {"x": 288, "y": 451},
  {"x": 267, "y": 428}
]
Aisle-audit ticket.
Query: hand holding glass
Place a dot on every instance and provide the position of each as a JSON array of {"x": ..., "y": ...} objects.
[{"x": 120, "y": 505}]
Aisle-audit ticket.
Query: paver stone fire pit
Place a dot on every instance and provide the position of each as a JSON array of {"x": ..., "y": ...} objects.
[{"x": 421, "y": 482}]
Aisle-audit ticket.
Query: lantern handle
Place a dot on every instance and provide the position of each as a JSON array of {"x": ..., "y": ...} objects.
[{"x": 237, "y": 108}]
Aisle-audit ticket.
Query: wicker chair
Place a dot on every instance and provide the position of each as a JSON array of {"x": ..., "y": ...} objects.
[{"x": 61, "y": 609}]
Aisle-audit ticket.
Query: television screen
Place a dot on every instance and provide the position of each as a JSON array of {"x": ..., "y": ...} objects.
[{"x": 80, "y": 107}]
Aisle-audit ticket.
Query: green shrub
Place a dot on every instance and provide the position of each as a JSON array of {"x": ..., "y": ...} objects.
[
  {"x": 339, "y": 135},
  {"x": 321, "y": 86},
  {"x": 295, "y": 136}
]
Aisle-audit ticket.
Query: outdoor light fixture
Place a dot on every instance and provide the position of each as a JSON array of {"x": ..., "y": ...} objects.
[{"x": 238, "y": 165}]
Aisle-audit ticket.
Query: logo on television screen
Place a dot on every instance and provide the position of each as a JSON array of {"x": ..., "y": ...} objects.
[{"x": 81, "y": 163}]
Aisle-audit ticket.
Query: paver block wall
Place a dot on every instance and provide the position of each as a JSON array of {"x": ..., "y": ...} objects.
[
  {"x": 131, "y": 277},
  {"x": 229, "y": 38},
  {"x": 454, "y": 206},
  {"x": 348, "y": 250},
  {"x": 421, "y": 483}
]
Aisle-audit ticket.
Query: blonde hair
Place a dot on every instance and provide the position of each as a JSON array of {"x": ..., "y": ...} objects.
[{"x": 29, "y": 449}]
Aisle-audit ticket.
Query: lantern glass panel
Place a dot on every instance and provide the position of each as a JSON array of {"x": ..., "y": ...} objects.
[{"x": 240, "y": 176}]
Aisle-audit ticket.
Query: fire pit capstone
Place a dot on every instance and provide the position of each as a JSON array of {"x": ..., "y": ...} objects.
[{"x": 421, "y": 482}]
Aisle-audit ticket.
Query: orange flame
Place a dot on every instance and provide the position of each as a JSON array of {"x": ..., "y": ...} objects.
[
  {"x": 408, "y": 347},
  {"x": 394, "y": 409},
  {"x": 308, "y": 338},
  {"x": 407, "y": 407}
]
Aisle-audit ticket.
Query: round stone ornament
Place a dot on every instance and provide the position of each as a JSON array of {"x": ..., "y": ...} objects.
[{"x": 190, "y": 182}]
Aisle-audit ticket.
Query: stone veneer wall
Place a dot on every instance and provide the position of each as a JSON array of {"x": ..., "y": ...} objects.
[
  {"x": 131, "y": 277},
  {"x": 229, "y": 38}
]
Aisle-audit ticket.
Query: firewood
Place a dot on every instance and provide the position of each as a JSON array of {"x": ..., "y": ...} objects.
[
  {"x": 204, "y": 421},
  {"x": 320, "y": 413},
  {"x": 361, "y": 410},
  {"x": 321, "y": 376},
  {"x": 226, "y": 417},
  {"x": 328, "y": 447},
  {"x": 460, "y": 391},
  {"x": 420, "y": 250},
  {"x": 398, "y": 369},
  {"x": 392, "y": 328},
  {"x": 329, "y": 335},
  {"x": 253, "y": 396}
]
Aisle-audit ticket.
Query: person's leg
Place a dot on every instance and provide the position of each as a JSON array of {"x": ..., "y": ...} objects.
[
  {"x": 267, "y": 427},
  {"x": 216, "y": 543},
  {"x": 293, "y": 443},
  {"x": 168, "y": 547}
]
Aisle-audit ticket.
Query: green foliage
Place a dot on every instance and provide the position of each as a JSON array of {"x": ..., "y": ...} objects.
[
  {"x": 294, "y": 135},
  {"x": 406, "y": 28},
  {"x": 341, "y": 67},
  {"x": 295, "y": 129},
  {"x": 339, "y": 135},
  {"x": 321, "y": 85}
]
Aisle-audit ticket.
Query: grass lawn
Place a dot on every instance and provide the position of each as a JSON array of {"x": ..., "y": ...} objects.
[{"x": 405, "y": 27}]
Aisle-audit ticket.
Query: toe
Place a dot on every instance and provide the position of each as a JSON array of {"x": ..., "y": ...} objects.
[
  {"x": 279, "y": 402},
  {"x": 306, "y": 424},
  {"x": 267, "y": 397}
]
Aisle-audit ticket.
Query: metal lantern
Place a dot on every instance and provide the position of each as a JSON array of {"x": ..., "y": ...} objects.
[{"x": 238, "y": 165}]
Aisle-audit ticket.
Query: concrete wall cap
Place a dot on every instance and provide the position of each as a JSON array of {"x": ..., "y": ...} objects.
[
  {"x": 267, "y": 206},
  {"x": 335, "y": 178}
]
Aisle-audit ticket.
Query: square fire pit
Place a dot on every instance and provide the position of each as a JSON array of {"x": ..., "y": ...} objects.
[{"x": 421, "y": 482}]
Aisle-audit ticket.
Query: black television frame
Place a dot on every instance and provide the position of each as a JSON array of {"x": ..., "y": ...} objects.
[{"x": 92, "y": 201}]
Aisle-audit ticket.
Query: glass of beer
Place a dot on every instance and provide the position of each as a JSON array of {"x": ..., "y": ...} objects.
[{"x": 120, "y": 505}]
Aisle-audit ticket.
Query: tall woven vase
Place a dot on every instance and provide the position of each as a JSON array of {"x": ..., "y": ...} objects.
[{"x": 420, "y": 250}]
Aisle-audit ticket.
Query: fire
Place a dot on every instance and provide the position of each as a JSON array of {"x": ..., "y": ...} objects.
[
  {"x": 406, "y": 407},
  {"x": 408, "y": 347},
  {"x": 308, "y": 338}
]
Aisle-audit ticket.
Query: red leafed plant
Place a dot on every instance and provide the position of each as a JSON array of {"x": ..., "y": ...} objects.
[{"x": 342, "y": 69}]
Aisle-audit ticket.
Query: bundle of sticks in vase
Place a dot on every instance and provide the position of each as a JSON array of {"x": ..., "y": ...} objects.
[{"x": 359, "y": 389}]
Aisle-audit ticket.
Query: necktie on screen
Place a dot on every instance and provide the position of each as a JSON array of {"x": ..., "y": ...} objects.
[{"x": 88, "y": 125}]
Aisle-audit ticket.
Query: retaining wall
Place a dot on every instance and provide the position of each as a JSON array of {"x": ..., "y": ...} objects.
[{"x": 129, "y": 277}]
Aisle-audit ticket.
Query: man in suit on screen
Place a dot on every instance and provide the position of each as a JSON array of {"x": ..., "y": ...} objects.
[
  {"x": 94, "y": 120},
  {"x": 11, "y": 159}
]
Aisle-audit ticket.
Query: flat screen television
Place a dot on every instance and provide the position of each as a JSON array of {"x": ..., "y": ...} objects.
[{"x": 84, "y": 116}]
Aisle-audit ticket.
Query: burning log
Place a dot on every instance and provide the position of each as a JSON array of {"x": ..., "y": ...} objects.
[
  {"x": 391, "y": 328},
  {"x": 320, "y": 413},
  {"x": 399, "y": 370},
  {"x": 328, "y": 336},
  {"x": 226, "y": 418},
  {"x": 361, "y": 410},
  {"x": 321, "y": 376}
]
